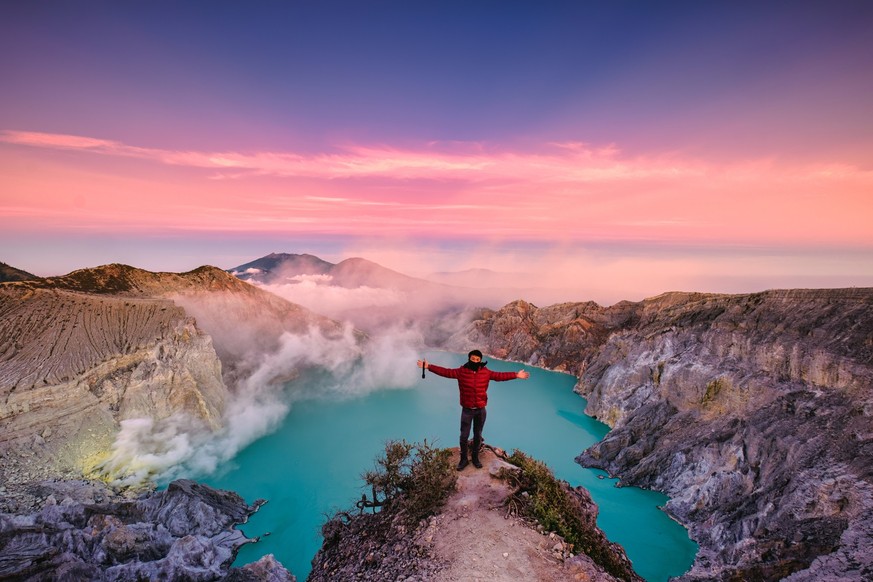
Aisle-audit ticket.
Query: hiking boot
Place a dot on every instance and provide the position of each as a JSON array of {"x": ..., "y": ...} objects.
[
  {"x": 477, "y": 447},
  {"x": 463, "y": 462}
]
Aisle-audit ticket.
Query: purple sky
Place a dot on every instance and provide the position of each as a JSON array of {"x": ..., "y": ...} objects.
[{"x": 613, "y": 150}]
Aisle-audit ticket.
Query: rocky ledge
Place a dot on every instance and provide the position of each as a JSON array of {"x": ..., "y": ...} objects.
[
  {"x": 754, "y": 413},
  {"x": 183, "y": 533},
  {"x": 483, "y": 531}
]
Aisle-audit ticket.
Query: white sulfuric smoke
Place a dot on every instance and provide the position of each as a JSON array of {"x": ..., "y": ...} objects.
[{"x": 161, "y": 450}]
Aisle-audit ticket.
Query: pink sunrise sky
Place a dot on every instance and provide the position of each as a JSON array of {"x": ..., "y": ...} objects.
[{"x": 644, "y": 169}]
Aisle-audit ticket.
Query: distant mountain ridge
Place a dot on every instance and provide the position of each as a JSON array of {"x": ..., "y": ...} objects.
[
  {"x": 472, "y": 288},
  {"x": 274, "y": 265},
  {"x": 278, "y": 268},
  {"x": 117, "y": 278},
  {"x": 10, "y": 273}
]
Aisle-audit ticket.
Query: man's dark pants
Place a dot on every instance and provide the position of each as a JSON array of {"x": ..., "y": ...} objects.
[{"x": 476, "y": 418}]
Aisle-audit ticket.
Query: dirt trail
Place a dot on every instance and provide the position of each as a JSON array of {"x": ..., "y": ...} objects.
[{"x": 479, "y": 540}]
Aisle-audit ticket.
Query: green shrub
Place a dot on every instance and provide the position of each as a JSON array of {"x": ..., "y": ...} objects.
[
  {"x": 413, "y": 479},
  {"x": 542, "y": 497},
  {"x": 545, "y": 500}
]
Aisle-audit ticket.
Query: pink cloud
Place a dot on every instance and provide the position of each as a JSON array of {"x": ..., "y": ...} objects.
[
  {"x": 564, "y": 162},
  {"x": 558, "y": 191}
]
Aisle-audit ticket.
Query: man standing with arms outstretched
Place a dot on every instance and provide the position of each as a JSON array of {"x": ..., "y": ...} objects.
[{"x": 473, "y": 378}]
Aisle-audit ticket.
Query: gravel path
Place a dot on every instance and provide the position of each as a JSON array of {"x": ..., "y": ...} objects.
[{"x": 480, "y": 541}]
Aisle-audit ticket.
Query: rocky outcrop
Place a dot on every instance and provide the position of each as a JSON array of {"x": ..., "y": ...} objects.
[
  {"x": 183, "y": 533},
  {"x": 242, "y": 320},
  {"x": 479, "y": 533},
  {"x": 752, "y": 412}
]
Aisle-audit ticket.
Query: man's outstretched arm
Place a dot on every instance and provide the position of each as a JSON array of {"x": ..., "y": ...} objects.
[
  {"x": 438, "y": 370},
  {"x": 503, "y": 376}
]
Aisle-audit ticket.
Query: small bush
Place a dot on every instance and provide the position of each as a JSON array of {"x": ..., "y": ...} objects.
[{"x": 413, "y": 479}]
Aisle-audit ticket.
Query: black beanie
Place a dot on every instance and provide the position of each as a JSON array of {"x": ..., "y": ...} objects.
[{"x": 474, "y": 353}]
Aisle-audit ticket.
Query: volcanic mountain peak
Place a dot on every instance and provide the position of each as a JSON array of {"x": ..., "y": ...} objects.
[
  {"x": 351, "y": 273},
  {"x": 356, "y": 272},
  {"x": 276, "y": 266}
]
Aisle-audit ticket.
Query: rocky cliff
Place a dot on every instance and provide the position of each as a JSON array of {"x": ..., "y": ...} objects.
[
  {"x": 81, "y": 353},
  {"x": 242, "y": 320},
  {"x": 74, "y": 365},
  {"x": 183, "y": 533},
  {"x": 754, "y": 413}
]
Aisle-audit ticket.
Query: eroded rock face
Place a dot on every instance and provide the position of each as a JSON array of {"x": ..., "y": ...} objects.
[
  {"x": 754, "y": 413},
  {"x": 81, "y": 353},
  {"x": 73, "y": 365},
  {"x": 183, "y": 533},
  {"x": 242, "y": 320}
]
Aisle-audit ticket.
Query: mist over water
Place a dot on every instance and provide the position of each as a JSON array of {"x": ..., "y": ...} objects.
[
  {"x": 148, "y": 449},
  {"x": 311, "y": 465}
]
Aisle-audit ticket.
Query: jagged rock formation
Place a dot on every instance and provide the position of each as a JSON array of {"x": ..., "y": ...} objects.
[
  {"x": 81, "y": 353},
  {"x": 183, "y": 533},
  {"x": 752, "y": 412}
]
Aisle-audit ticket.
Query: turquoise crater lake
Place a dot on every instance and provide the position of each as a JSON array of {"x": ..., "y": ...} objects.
[{"x": 311, "y": 465}]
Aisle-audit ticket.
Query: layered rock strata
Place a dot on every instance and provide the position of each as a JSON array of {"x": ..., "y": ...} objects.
[
  {"x": 754, "y": 413},
  {"x": 73, "y": 365},
  {"x": 243, "y": 321},
  {"x": 183, "y": 533}
]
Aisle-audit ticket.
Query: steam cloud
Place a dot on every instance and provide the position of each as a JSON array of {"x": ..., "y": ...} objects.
[
  {"x": 315, "y": 292},
  {"x": 161, "y": 450}
]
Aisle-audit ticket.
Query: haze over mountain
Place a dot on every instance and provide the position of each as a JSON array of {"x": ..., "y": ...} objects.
[
  {"x": 279, "y": 268},
  {"x": 368, "y": 295},
  {"x": 476, "y": 278},
  {"x": 468, "y": 288}
]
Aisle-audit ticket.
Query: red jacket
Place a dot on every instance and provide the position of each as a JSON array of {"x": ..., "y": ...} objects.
[{"x": 473, "y": 386}]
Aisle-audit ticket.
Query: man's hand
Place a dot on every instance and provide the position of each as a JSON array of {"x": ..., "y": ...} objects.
[
  {"x": 422, "y": 364},
  {"x": 522, "y": 375}
]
